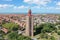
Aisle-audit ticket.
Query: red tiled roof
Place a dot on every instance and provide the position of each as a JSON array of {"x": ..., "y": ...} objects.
[{"x": 4, "y": 30}]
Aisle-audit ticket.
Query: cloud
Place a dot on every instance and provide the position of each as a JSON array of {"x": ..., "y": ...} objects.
[
  {"x": 21, "y": 7},
  {"x": 58, "y": 3},
  {"x": 52, "y": 8},
  {"x": 7, "y": 0},
  {"x": 57, "y": 8},
  {"x": 6, "y": 5},
  {"x": 37, "y": 2},
  {"x": 26, "y": 7},
  {"x": 38, "y": 7}
]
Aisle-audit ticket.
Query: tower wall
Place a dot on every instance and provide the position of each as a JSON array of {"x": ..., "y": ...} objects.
[{"x": 29, "y": 24}]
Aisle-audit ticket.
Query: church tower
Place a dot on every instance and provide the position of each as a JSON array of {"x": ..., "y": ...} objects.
[{"x": 29, "y": 24}]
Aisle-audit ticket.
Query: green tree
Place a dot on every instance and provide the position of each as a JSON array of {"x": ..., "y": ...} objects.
[
  {"x": 59, "y": 27},
  {"x": 52, "y": 38},
  {"x": 11, "y": 26},
  {"x": 59, "y": 18},
  {"x": 1, "y": 35},
  {"x": 44, "y": 35},
  {"x": 21, "y": 37},
  {"x": 15, "y": 36},
  {"x": 48, "y": 27},
  {"x": 58, "y": 32}
]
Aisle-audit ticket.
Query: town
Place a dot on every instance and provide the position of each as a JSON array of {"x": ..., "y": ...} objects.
[
  {"x": 29, "y": 19},
  {"x": 21, "y": 18},
  {"x": 29, "y": 25}
]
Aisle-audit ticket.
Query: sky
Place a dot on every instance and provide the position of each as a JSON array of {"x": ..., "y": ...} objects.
[{"x": 37, "y": 6}]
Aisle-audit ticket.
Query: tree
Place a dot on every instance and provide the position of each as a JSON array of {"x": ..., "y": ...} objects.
[
  {"x": 12, "y": 36},
  {"x": 58, "y": 32},
  {"x": 15, "y": 36},
  {"x": 42, "y": 35},
  {"x": 38, "y": 29},
  {"x": 1, "y": 35},
  {"x": 59, "y": 18},
  {"x": 52, "y": 38},
  {"x": 48, "y": 27},
  {"x": 45, "y": 27},
  {"x": 59, "y": 27},
  {"x": 21, "y": 37},
  {"x": 11, "y": 26}
]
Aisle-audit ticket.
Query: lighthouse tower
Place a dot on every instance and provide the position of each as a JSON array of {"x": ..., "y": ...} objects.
[{"x": 29, "y": 24}]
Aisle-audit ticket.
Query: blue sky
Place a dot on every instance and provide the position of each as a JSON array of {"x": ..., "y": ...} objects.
[{"x": 37, "y": 6}]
